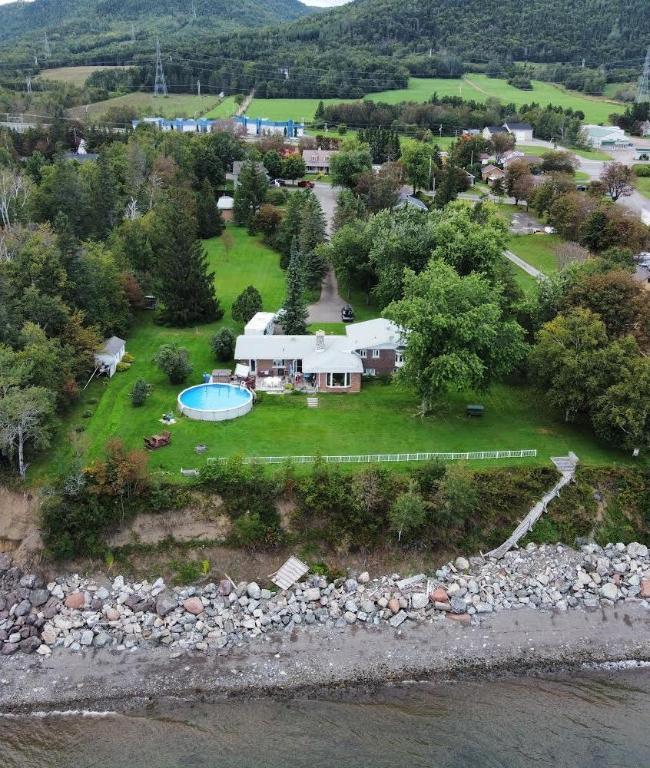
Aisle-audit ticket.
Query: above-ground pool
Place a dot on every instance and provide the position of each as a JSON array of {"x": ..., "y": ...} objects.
[{"x": 215, "y": 402}]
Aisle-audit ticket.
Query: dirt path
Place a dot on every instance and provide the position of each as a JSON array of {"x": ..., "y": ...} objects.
[{"x": 245, "y": 103}]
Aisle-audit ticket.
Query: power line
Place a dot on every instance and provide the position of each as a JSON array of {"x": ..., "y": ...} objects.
[
  {"x": 643, "y": 90},
  {"x": 160, "y": 86}
]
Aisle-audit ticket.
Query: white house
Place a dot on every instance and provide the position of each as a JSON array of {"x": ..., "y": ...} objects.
[
  {"x": 109, "y": 355},
  {"x": 522, "y": 132},
  {"x": 317, "y": 160},
  {"x": 226, "y": 205}
]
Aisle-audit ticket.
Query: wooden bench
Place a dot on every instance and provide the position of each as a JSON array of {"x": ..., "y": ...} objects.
[{"x": 475, "y": 410}]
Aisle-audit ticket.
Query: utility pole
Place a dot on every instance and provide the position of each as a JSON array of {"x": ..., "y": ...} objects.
[
  {"x": 583, "y": 62},
  {"x": 29, "y": 84},
  {"x": 198, "y": 87},
  {"x": 160, "y": 86},
  {"x": 47, "y": 51},
  {"x": 643, "y": 90}
]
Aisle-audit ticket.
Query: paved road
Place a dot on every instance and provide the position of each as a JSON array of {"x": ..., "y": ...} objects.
[{"x": 328, "y": 308}]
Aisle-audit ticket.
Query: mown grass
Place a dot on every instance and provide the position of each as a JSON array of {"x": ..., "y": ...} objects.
[
  {"x": 71, "y": 75},
  {"x": 176, "y": 105},
  {"x": 226, "y": 108},
  {"x": 537, "y": 250},
  {"x": 642, "y": 184}
]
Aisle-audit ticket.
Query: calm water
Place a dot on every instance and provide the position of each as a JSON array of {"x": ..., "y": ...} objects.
[{"x": 595, "y": 720}]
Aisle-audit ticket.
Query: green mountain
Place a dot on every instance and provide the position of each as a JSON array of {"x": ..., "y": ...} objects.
[{"x": 87, "y": 26}]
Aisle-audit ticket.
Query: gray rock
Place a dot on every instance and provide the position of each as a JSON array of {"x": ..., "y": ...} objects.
[
  {"x": 458, "y": 605},
  {"x": 609, "y": 591},
  {"x": 87, "y": 637},
  {"x": 636, "y": 550},
  {"x": 29, "y": 581},
  {"x": 419, "y": 600},
  {"x": 102, "y": 593},
  {"x": 23, "y": 608},
  {"x": 397, "y": 619},
  {"x": 351, "y": 585},
  {"x": 350, "y": 617},
  {"x": 5, "y": 562},
  {"x": 39, "y": 597},
  {"x": 253, "y": 590},
  {"x": 29, "y": 644},
  {"x": 9, "y": 648},
  {"x": 461, "y": 563},
  {"x": 311, "y": 595},
  {"x": 101, "y": 640},
  {"x": 165, "y": 602}
]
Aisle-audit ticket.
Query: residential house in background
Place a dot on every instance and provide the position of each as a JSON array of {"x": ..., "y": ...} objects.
[
  {"x": 236, "y": 170},
  {"x": 491, "y": 174},
  {"x": 109, "y": 355},
  {"x": 226, "y": 205},
  {"x": 317, "y": 160},
  {"x": 522, "y": 132},
  {"x": 491, "y": 130},
  {"x": 330, "y": 363}
]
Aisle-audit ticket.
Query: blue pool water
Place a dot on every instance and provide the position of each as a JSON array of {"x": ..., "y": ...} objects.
[{"x": 214, "y": 397}]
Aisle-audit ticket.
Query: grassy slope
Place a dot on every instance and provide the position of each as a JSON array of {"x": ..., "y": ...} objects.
[
  {"x": 71, "y": 75},
  {"x": 177, "y": 105},
  {"x": 381, "y": 418},
  {"x": 477, "y": 87},
  {"x": 227, "y": 108},
  {"x": 642, "y": 183}
]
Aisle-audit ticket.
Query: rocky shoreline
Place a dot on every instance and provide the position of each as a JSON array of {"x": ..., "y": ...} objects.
[{"x": 75, "y": 614}]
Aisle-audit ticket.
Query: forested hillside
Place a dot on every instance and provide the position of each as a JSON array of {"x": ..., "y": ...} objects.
[{"x": 96, "y": 25}]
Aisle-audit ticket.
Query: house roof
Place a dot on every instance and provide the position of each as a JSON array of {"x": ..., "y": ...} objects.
[
  {"x": 518, "y": 126},
  {"x": 333, "y": 359},
  {"x": 496, "y": 129},
  {"x": 373, "y": 333},
  {"x": 413, "y": 202},
  {"x": 259, "y": 322},
  {"x": 111, "y": 346},
  {"x": 491, "y": 170},
  {"x": 225, "y": 203}
]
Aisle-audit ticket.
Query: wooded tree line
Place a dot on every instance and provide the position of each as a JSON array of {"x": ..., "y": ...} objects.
[{"x": 81, "y": 244}]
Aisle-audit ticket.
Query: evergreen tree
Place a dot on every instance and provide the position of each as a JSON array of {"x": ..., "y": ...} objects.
[
  {"x": 294, "y": 321},
  {"x": 319, "y": 115},
  {"x": 247, "y": 304},
  {"x": 290, "y": 226},
  {"x": 186, "y": 286},
  {"x": 273, "y": 163},
  {"x": 210, "y": 221},
  {"x": 312, "y": 234},
  {"x": 349, "y": 208},
  {"x": 250, "y": 193}
]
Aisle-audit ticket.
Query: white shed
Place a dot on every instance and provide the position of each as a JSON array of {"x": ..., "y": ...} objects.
[
  {"x": 226, "y": 204},
  {"x": 109, "y": 355}
]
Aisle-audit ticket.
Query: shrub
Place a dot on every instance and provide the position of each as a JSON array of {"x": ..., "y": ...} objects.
[
  {"x": 642, "y": 171},
  {"x": 122, "y": 366},
  {"x": 223, "y": 344},
  {"x": 128, "y": 358},
  {"x": 276, "y": 196},
  {"x": 408, "y": 512},
  {"x": 247, "y": 304},
  {"x": 186, "y": 571},
  {"x": 140, "y": 392},
  {"x": 249, "y": 531},
  {"x": 87, "y": 414},
  {"x": 174, "y": 362}
]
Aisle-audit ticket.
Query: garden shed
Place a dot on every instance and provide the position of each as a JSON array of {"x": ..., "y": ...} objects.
[{"x": 109, "y": 355}]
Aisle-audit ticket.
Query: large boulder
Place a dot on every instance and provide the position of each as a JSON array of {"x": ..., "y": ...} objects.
[
  {"x": 165, "y": 602},
  {"x": 194, "y": 605},
  {"x": 75, "y": 601},
  {"x": 39, "y": 597}
]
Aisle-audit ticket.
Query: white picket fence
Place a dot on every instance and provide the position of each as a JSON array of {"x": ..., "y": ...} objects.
[{"x": 380, "y": 458}]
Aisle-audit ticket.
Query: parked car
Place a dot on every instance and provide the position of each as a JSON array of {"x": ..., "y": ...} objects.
[
  {"x": 306, "y": 184},
  {"x": 278, "y": 183},
  {"x": 347, "y": 314},
  {"x": 581, "y": 187}
]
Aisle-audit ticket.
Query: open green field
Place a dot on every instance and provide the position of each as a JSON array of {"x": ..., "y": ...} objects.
[
  {"x": 148, "y": 105},
  {"x": 588, "y": 154},
  {"x": 382, "y": 418},
  {"x": 642, "y": 183},
  {"x": 226, "y": 108},
  {"x": 537, "y": 250},
  {"x": 477, "y": 87},
  {"x": 71, "y": 75}
]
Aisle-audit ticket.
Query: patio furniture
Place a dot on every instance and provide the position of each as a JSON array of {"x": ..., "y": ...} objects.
[
  {"x": 189, "y": 472},
  {"x": 201, "y": 448},
  {"x": 157, "y": 441},
  {"x": 475, "y": 410}
]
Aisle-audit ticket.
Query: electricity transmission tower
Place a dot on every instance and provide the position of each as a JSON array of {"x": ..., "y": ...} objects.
[
  {"x": 47, "y": 51},
  {"x": 193, "y": 11},
  {"x": 643, "y": 91},
  {"x": 198, "y": 87},
  {"x": 160, "y": 86},
  {"x": 29, "y": 84}
]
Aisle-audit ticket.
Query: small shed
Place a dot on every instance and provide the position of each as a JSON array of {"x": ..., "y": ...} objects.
[
  {"x": 226, "y": 204},
  {"x": 109, "y": 355}
]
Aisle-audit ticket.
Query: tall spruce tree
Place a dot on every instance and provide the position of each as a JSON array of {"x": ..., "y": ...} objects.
[
  {"x": 312, "y": 233},
  {"x": 290, "y": 226},
  {"x": 252, "y": 186},
  {"x": 210, "y": 221},
  {"x": 186, "y": 286},
  {"x": 294, "y": 321}
]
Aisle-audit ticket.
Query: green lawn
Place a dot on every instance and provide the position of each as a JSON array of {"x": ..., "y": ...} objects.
[
  {"x": 382, "y": 418},
  {"x": 537, "y": 250},
  {"x": 71, "y": 75},
  {"x": 176, "y": 105},
  {"x": 642, "y": 183},
  {"x": 588, "y": 154},
  {"x": 477, "y": 87},
  {"x": 226, "y": 108}
]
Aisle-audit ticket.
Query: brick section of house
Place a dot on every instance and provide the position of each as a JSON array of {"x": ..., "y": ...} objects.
[
  {"x": 383, "y": 365},
  {"x": 355, "y": 384}
]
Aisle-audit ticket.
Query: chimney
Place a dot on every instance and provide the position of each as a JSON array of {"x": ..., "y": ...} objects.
[{"x": 320, "y": 341}]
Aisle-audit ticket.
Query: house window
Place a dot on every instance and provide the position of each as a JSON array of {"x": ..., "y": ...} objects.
[
  {"x": 399, "y": 358},
  {"x": 370, "y": 371},
  {"x": 376, "y": 354},
  {"x": 278, "y": 363},
  {"x": 338, "y": 380},
  {"x": 363, "y": 353}
]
